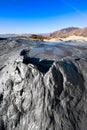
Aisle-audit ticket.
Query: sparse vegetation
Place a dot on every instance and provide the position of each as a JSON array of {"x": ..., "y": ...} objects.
[{"x": 37, "y": 37}]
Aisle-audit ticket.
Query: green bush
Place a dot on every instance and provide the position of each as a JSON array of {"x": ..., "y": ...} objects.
[{"x": 37, "y": 37}]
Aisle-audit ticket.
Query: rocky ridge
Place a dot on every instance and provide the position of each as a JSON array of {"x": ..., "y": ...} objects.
[
  {"x": 66, "y": 32},
  {"x": 71, "y": 34}
]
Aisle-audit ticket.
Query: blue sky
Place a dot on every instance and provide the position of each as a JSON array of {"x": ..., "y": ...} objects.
[{"x": 41, "y": 16}]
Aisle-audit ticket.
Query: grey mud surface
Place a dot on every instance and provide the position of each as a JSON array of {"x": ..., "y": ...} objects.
[{"x": 43, "y": 86}]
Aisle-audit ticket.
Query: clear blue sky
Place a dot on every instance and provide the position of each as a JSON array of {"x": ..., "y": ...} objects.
[{"x": 41, "y": 16}]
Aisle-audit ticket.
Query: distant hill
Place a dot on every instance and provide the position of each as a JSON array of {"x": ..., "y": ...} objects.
[
  {"x": 8, "y": 35},
  {"x": 63, "y": 33},
  {"x": 66, "y": 32},
  {"x": 13, "y": 35}
]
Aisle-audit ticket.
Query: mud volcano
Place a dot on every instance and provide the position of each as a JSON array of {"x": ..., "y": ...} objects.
[{"x": 44, "y": 88}]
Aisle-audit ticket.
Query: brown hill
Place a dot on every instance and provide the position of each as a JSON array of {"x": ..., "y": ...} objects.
[
  {"x": 66, "y": 32},
  {"x": 81, "y": 32}
]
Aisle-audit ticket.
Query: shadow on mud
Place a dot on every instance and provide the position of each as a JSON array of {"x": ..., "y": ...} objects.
[{"x": 42, "y": 65}]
